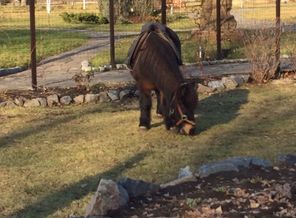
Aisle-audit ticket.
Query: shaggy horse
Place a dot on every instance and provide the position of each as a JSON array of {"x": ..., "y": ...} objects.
[{"x": 154, "y": 59}]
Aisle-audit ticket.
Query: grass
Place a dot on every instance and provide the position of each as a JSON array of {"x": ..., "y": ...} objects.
[
  {"x": 15, "y": 45},
  {"x": 51, "y": 159}
]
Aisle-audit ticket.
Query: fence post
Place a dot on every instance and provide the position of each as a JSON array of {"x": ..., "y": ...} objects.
[
  {"x": 218, "y": 29},
  {"x": 112, "y": 37},
  {"x": 33, "y": 44},
  {"x": 163, "y": 12},
  {"x": 278, "y": 34}
]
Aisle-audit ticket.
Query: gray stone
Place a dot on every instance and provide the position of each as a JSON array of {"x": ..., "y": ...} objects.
[
  {"x": 42, "y": 101},
  {"x": 289, "y": 159},
  {"x": 89, "y": 98},
  {"x": 179, "y": 181},
  {"x": 124, "y": 94},
  {"x": 240, "y": 162},
  {"x": 216, "y": 84},
  {"x": 185, "y": 172},
  {"x": 204, "y": 89},
  {"x": 217, "y": 167},
  {"x": 109, "y": 197},
  {"x": 32, "y": 103},
  {"x": 53, "y": 100},
  {"x": 120, "y": 66},
  {"x": 84, "y": 64},
  {"x": 3, "y": 104},
  {"x": 103, "y": 97},
  {"x": 260, "y": 162},
  {"x": 102, "y": 69},
  {"x": 238, "y": 79},
  {"x": 108, "y": 67},
  {"x": 19, "y": 101},
  {"x": 137, "y": 93},
  {"x": 79, "y": 99},
  {"x": 10, "y": 104},
  {"x": 66, "y": 100},
  {"x": 245, "y": 77},
  {"x": 137, "y": 188},
  {"x": 113, "y": 95},
  {"x": 229, "y": 83}
]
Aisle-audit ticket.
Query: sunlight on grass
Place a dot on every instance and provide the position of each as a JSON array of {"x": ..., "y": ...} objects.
[{"x": 51, "y": 159}]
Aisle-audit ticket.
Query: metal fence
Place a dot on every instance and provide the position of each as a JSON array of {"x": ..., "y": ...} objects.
[{"x": 61, "y": 44}]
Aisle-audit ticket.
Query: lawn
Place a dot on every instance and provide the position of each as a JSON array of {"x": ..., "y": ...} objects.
[
  {"x": 51, "y": 159},
  {"x": 15, "y": 45}
]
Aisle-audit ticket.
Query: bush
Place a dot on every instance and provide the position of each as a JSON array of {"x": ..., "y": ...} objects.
[
  {"x": 260, "y": 50},
  {"x": 86, "y": 18}
]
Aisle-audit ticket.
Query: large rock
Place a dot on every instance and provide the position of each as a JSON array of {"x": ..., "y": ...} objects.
[
  {"x": 289, "y": 159},
  {"x": 42, "y": 101},
  {"x": 10, "y": 104},
  {"x": 218, "y": 167},
  {"x": 32, "y": 103},
  {"x": 123, "y": 94},
  {"x": 113, "y": 95},
  {"x": 19, "y": 101},
  {"x": 53, "y": 100},
  {"x": 66, "y": 100},
  {"x": 184, "y": 172},
  {"x": 216, "y": 84},
  {"x": 89, "y": 98},
  {"x": 109, "y": 197},
  {"x": 103, "y": 97},
  {"x": 137, "y": 188},
  {"x": 3, "y": 104},
  {"x": 229, "y": 83},
  {"x": 79, "y": 99},
  {"x": 202, "y": 89}
]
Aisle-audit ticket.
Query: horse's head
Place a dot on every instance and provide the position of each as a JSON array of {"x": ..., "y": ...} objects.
[{"x": 182, "y": 108}]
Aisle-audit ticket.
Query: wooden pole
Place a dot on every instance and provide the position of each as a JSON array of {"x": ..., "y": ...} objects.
[
  {"x": 278, "y": 34},
  {"x": 163, "y": 12},
  {"x": 218, "y": 29},
  {"x": 33, "y": 44},
  {"x": 112, "y": 36}
]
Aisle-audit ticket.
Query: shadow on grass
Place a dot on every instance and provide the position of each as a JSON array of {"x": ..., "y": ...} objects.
[
  {"x": 26, "y": 131},
  {"x": 220, "y": 108},
  {"x": 65, "y": 196}
]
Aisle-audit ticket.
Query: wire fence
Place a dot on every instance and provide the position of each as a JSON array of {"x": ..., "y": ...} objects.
[{"x": 68, "y": 32}]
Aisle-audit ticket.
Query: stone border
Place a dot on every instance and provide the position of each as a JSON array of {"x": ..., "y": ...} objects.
[
  {"x": 111, "y": 196},
  {"x": 9, "y": 71}
]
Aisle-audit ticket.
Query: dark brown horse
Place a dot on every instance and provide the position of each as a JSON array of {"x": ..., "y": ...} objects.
[{"x": 154, "y": 59}]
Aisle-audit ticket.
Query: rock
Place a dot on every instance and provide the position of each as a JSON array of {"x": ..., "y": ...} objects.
[
  {"x": 217, "y": 167},
  {"x": 204, "y": 89},
  {"x": 32, "y": 103},
  {"x": 108, "y": 67},
  {"x": 137, "y": 188},
  {"x": 179, "y": 181},
  {"x": 288, "y": 159},
  {"x": 66, "y": 100},
  {"x": 19, "y": 101},
  {"x": 103, "y": 97},
  {"x": 240, "y": 162},
  {"x": 137, "y": 93},
  {"x": 42, "y": 101},
  {"x": 229, "y": 83},
  {"x": 3, "y": 104},
  {"x": 245, "y": 77},
  {"x": 238, "y": 79},
  {"x": 120, "y": 67},
  {"x": 216, "y": 84},
  {"x": 113, "y": 95},
  {"x": 109, "y": 197},
  {"x": 10, "y": 104},
  {"x": 124, "y": 94},
  {"x": 87, "y": 69},
  {"x": 184, "y": 172},
  {"x": 84, "y": 64},
  {"x": 260, "y": 162},
  {"x": 53, "y": 100},
  {"x": 89, "y": 98},
  {"x": 102, "y": 69},
  {"x": 79, "y": 99}
]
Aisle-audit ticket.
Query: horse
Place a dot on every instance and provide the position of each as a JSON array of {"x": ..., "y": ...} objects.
[{"x": 154, "y": 59}]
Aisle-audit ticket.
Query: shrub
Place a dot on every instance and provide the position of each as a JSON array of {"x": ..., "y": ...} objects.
[
  {"x": 86, "y": 18},
  {"x": 260, "y": 50}
]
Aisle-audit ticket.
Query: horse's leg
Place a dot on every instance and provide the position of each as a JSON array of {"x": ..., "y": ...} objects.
[
  {"x": 159, "y": 103},
  {"x": 145, "y": 108},
  {"x": 169, "y": 124}
]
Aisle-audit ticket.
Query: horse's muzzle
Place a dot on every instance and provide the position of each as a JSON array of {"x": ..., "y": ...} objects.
[{"x": 187, "y": 129}]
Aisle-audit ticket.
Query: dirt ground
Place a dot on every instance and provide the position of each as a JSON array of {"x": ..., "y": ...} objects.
[{"x": 249, "y": 193}]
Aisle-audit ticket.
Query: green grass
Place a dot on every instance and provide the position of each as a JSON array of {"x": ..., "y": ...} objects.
[
  {"x": 15, "y": 45},
  {"x": 51, "y": 159}
]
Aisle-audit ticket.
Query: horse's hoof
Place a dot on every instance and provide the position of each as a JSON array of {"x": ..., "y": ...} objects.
[
  {"x": 173, "y": 129},
  {"x": 143, "y": 128}
]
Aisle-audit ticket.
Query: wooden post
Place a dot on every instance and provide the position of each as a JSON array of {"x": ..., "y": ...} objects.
[
  {"x": 278, "y": 34},
  {"x": 163, "y": 12},
  {"x": 112, "y": 37},
  {"x": 218, "y": 29},
  {"x": 33, "y": 44}
]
